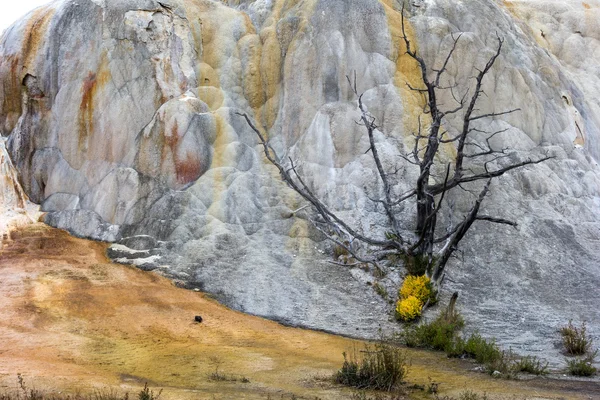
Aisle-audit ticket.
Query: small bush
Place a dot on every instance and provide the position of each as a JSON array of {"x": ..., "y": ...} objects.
[
  {"x": 409, "y": 309},
  {"x": 582, "y": 367},
  {"x": 414, "y": 293},
  {"x": 440, "y": 334},
  {"x": 417, "y": 286},
  {"x": 147, "y": 394},
  {"x": 382, "y": 367},
  {"x": 532, "y": 365},
  {"x": 575, "y": 340},
  {"x": 483, "y": 351}
]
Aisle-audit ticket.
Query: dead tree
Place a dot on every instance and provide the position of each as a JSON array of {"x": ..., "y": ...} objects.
[{"x": 424, "y": 243}]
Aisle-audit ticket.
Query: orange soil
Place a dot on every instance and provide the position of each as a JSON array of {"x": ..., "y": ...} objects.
[{"x": 70, "y": 320}]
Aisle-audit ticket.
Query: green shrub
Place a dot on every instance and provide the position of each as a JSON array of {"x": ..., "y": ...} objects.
[
  {"x": 381, "y": 367},
  {"x": 487, "y": 353},
  {"x": 575, "y": 340},
  {"x": 483, "y": 351},
  {"x": 532, "y": 365},
  {"x": 440, "y": 334},
  {"x": 582, "y": 366}
]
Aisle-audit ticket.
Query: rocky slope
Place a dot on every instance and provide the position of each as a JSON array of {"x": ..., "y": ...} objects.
[{"x": 121, "y": 118}]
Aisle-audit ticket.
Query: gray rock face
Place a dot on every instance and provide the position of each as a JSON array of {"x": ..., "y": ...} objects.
[{"x": 122, "y": 121}]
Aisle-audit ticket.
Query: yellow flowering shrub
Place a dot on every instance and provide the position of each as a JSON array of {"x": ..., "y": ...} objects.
[
  {"x": 409, "y": 308},
  {"x": 418, "y": 286},
  {"x": 415, "y": 292}
]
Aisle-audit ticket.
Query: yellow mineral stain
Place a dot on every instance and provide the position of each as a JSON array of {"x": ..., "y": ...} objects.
[
  {"x": 14, "y": 67},
  {"x": 408, "y": 73},
  {"x": 219, "y": 161},
  {"x": 34, "y": 34}
]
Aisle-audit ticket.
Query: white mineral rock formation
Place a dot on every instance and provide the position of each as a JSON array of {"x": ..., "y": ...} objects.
[{"x": 121, "y": 118}]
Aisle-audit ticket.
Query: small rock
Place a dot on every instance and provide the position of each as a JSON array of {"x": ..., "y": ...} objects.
[
  {"x": 198, "y": 318},
  {"x": 196, "y": 290}
]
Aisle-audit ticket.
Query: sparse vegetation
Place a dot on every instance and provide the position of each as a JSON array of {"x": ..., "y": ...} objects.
[
  {"x": 442, "y": 334},
  {"x": 147, "y": 394},
  {"x": 470, "y": 395},
  {"x": 379, "y": 367},
  {"x": 24, "y": 392},
  {"x": 481, "y": 350},
  {"x": 532, "y": 365},
  {"x": 363, "y": 395},
  {"x": 582, "y": 366},
  {"x": 579, "y": 344},
  {"x": 575, "y": 340},
  {"x": 218, "y": 376},
  {"x": 380, "y": 290}
]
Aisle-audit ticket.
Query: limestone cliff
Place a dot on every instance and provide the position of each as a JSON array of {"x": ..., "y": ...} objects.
[{"x": 121, "y": 118}]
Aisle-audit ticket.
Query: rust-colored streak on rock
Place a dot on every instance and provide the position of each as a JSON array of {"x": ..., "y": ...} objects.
[
  {"x": 11, "y": 91},
  {"x": 34, "y": 34},
  {"x": 86, "y": 110},
  {"x": 92, "y": 84},
  {"x": 187, "y": 168}
]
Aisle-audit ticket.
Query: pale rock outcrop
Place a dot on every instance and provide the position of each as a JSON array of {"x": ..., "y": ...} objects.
[{"x": 122, "y": 121}]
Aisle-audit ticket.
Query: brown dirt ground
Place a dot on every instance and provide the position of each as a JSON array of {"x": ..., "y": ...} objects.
[{"x": 72, "y": 321}]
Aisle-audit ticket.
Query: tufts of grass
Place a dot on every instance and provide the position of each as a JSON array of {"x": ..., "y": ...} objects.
[
  {"x": 380, "y": 367},
  {"x": 25, "y": 393},
  {"x": 483, "y": 351},
  {"x": 440, "y": 334},
  {"x": 575, "y": 339},
  {"x": 464, "y": 395},
  {"x": 532, "y": 365},
  {"x": 381, "y": 291},
  {"x": 363, "y": 395},
  {"x": 582, "y": 366},
  {"x": 218, "y": 376},
  {"x": 578, "y": 343}
]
